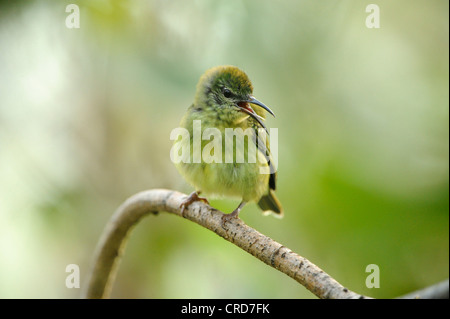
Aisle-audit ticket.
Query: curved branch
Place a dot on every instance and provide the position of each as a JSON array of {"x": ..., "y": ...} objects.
[{"x": 112, "y": 243}]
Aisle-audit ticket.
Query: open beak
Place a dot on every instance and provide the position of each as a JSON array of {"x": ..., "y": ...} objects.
[
  {"x": 246, "y": 108},
  {"x": 252, "y": 100}
]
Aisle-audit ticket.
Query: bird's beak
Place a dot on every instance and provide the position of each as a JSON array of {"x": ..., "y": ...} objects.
[
  {"x": 252, "y": 100},
  {"x": 246, "y": 108}
]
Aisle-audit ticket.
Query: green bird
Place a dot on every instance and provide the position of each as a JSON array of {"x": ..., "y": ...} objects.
[{"x": 224, "y": 100}]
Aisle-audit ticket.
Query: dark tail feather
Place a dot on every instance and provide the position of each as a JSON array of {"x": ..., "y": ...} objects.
[{"x": 270, "y": 204}]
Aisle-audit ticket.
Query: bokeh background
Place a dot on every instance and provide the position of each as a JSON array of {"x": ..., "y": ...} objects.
[{"x": 362, "y": 118}]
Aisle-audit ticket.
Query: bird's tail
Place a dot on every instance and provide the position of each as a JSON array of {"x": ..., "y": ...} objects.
[{"x": 270, "y": 204}]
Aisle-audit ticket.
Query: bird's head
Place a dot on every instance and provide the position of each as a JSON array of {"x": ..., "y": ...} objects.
[{"x": 227, "y": 91}]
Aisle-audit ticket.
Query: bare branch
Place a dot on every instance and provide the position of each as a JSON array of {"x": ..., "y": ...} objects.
[
  {"x": 112, "y": 243},
  {"x": 437, "y": 291}
]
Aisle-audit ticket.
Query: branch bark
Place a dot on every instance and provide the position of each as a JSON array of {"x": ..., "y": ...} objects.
[{"x": 112, "y": 244}]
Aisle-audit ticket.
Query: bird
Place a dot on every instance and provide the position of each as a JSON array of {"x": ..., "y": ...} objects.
[{"x": 224, "y": 101}]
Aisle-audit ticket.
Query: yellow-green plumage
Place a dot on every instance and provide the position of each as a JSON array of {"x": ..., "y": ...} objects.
[{"x": 221, "y": 102}]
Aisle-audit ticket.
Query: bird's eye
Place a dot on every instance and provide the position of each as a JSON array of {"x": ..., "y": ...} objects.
[{"x": 226, "y": 92}]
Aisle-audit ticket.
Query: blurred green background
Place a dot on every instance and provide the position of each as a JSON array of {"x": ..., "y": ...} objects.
[{"x": 362, "y": 118}]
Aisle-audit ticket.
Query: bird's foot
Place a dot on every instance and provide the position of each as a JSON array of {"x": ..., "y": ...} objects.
[
  {"x": 235, "y": 214},
  {"x": 228, "y": 217},
  {"x": 193, "y": 197}
]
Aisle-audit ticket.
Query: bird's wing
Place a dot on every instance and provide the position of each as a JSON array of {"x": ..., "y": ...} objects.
[{"x": 264, "y": 148}]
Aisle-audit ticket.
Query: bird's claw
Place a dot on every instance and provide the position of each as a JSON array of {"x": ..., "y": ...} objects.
[
  {"x": 228, "y": 217},
  {"x": 193, "y": 197}
]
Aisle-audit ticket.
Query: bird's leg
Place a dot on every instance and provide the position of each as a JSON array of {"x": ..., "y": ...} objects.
[
  {"x": 234, "y": 214},
  {"x": 193, "y": 197}
]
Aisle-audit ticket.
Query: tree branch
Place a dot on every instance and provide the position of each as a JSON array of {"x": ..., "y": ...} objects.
[
  {"x": 111, "y": 245},
  {"x": 437, "y": 291}
]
